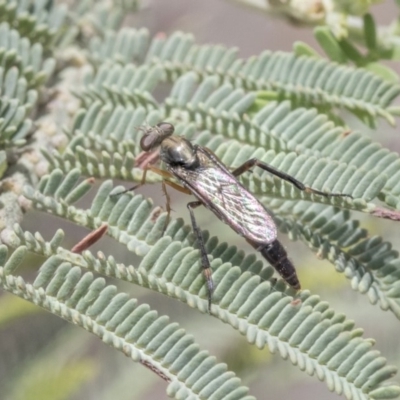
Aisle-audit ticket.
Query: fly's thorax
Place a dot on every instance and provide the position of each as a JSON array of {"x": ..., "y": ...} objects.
[{"x": 178, "y": 152}]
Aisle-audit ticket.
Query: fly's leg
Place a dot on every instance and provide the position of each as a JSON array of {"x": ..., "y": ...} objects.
[
  {"x": 144, "y": 159},
  {"x": 177, "y": 187},
  {"x": 142, "y": 182},
  {"x": 167, "y": 206},
  {"x": 254, "y": 162},
  {"x": 204, "y": 259},
  {"x": 164, "y": 174}
]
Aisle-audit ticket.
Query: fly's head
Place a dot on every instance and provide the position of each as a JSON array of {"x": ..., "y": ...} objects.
[
  {"x": 153, "y": 136},
  {"x": 175, "y": 151}
]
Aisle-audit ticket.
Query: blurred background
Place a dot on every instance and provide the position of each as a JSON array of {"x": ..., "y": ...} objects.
[{"x": 91, "y": 370}]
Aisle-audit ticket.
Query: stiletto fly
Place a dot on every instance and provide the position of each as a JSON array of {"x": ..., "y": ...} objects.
[{"x": 202, "y": 174}]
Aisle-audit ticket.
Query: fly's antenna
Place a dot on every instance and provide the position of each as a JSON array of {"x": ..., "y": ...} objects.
[{"x": 144, "y": 127}]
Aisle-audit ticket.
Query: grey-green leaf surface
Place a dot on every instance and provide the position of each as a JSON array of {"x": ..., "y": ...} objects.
[
  {"x": 136, "y": 330},
  {"x": 305, "y": 80},
  {"x": 259, "y": 308}
]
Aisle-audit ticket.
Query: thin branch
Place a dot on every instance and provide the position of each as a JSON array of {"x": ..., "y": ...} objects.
[
  {"x": 154, "y": 369},
  {"x": 381, "y": 212}
]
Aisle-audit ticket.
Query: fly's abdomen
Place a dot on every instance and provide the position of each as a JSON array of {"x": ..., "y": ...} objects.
[{"x": 276, "y": 255}]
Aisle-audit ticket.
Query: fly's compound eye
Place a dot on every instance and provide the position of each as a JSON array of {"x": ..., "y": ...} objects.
[
  {"x": 166, "y": 128},
  {"x": 155, "y": 135},
  {"x": 149, "y": 140}
]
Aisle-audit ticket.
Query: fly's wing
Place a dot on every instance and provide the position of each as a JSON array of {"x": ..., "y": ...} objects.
[{"x": 220, "y": 192}]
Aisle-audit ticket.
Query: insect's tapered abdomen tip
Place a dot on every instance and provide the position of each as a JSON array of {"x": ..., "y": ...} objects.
[
  {"x": 275, "y": 253},
  {"x": 293, "y": 281}
]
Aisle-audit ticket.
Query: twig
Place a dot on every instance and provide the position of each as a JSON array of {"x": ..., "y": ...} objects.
[{"x": 90, "y": 239}]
